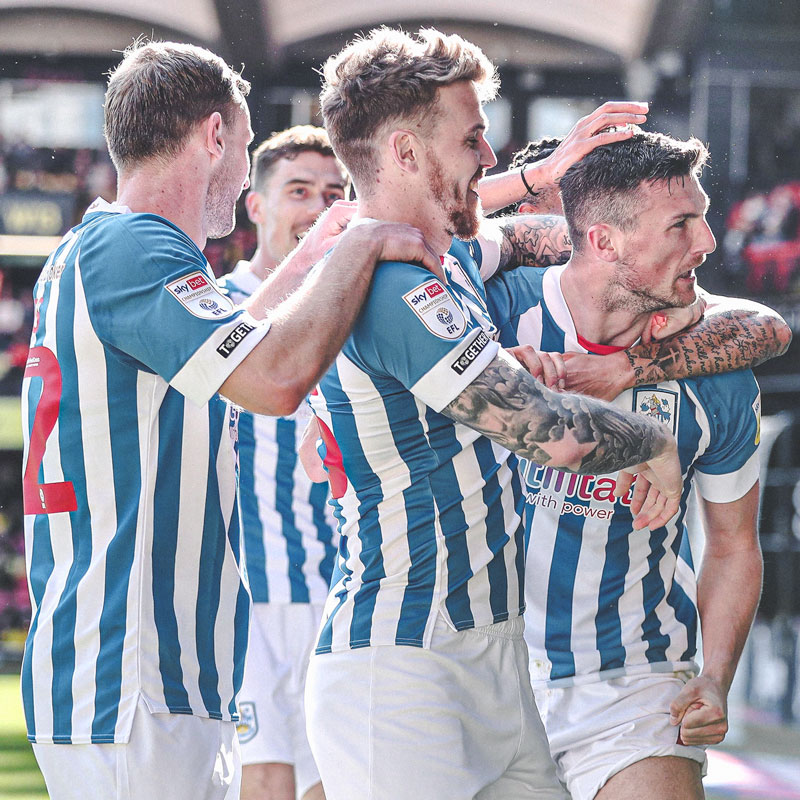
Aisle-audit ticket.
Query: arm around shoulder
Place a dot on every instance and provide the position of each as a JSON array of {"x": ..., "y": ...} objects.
[{"x": 308, "y": 329}]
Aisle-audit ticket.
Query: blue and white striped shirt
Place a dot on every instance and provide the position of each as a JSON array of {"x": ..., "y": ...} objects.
[
  {"x": 287, "y": 524},
  {"x": 603, "y": 599},
  {"x": 132, "y": 534},
  {"x": 428, "y": 510}
]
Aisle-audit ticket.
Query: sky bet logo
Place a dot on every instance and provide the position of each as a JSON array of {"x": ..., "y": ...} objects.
[
  {"x": 433, "y": 305},
  {"x": 234, "y": 339},
  {"x": 197, "y": 282}
]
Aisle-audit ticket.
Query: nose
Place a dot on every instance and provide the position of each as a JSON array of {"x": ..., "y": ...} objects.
[
  {"x": 488, "y": 158},
  {"x": 706, "y": 243}
]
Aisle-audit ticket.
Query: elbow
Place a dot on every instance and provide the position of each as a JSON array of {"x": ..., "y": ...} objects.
[
  {"x": 783, "y": 335},
  {"x": 278, "y": 400}
]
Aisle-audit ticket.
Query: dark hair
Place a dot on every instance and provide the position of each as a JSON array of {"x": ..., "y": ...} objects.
[
  {"x": 604, "y": 185},
  {"x": 390, "y": 76},
  {"x": 530, "y": 154},
  {"x": 158, "y": 92},
  {"x": 288, "y": 144},
  {"x": 535, "y": 151}
]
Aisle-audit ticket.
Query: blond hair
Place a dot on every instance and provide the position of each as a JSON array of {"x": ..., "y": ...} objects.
[{"x": 390, "y": 76}]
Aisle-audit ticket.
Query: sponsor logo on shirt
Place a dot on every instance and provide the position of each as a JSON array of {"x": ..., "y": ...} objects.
[
  {"x": 247, "y": 727},
  {"x": 658, "y": 404},
  {"x": 590, "y": 496},
  {"x": 201, "y": 296},
  {"x": 437, "y": 309},
  {"x": 459, "y": 366},
  {"x": 235, "y": 338}
]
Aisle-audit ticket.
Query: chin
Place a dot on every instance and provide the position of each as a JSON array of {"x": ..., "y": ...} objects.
[{"x": 465, "y": 223}]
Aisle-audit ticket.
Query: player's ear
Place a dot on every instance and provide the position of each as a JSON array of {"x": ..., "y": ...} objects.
[
  {"x": 213, "y": 135},
  {"x": 526, "y": 208},
  {"x": 404, "y": 148},
  {"x": 254, "y": 203},
  {"x": 602, "y": 241}
]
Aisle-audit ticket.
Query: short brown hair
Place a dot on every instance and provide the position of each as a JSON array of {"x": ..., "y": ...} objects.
[
  {"x": 604, "y": 185},
  {"x": 388, "y": 76},
  {"x": 288, "y": 144},
  {"x": 158, "y": 92}
]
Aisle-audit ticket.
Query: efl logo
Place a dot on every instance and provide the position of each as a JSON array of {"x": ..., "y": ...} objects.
[{"x": 197, "y": 282}]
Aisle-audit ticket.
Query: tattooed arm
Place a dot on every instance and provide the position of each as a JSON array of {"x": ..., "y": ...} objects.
[
  {"x": 733, "y": 334},
  {"x": 531, "y": 240},
  {"x": 572, "y": 433}
]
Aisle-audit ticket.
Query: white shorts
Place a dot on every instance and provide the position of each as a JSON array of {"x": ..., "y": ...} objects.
[
  {"x": 456, "y": 721},
  {"x": 598, "y": 729},
  {"x": 168, "y": 755},
  {"x": 272, "y": 725}
]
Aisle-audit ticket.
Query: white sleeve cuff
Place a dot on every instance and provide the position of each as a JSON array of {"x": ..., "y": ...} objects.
[
  {"x": 446, "y": 380},
  {"x": 731, "y": 486},
  {"x": 214, "y": 361}
]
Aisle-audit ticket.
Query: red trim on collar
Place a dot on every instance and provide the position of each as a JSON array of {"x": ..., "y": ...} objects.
[{"x": 598, "y": 349}]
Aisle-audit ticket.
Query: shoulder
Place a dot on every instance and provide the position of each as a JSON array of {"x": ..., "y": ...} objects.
[
  {"x": 131, "y": 243},
  {"x": 724, "y": 391},
  {"x": 516, "y": 290}
]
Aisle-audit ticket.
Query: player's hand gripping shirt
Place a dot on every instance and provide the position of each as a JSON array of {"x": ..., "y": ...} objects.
[
  {"x": 603, "y": 599},
  {"x": 131, "y": 528},
  {"x": 428, "y": 510},
  {"x": 288, "y": 528}
]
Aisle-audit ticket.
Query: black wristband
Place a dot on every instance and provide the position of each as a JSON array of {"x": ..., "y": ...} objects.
[{"x": 528, "y": 189}]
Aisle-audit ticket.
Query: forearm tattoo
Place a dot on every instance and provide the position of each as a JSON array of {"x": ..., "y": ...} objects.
[
  {"x": 723, "y": 342},
  {"x": 567, "y": 431},
  {"x": 534, "y": 240}
]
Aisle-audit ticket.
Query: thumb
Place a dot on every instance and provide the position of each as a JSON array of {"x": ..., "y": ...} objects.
[{"x": 683, "y": 700}]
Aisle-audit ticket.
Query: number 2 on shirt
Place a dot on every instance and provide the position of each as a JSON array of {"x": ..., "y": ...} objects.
[{"x": 44, "y": 498}]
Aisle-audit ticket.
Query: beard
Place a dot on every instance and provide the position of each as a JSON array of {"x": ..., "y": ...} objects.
[
  {"x": 627, "y": 291},
  {"x": 221, "y": 205},
  {"x": 463, "y": 214}
]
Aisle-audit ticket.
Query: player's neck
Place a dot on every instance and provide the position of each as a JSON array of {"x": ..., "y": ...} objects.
[
  {"x": 262, "y": 265},
  {"x": 404, "y": 207},
  {"x": 585, "y": 292},
  {"x": 172, "y": 192}
]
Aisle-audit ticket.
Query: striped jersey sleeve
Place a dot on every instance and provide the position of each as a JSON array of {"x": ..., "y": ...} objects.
[
  {"x": 428, "y": 510},
  {"x": 131, "y": 527},
  {"x": 288, "y": 527}
]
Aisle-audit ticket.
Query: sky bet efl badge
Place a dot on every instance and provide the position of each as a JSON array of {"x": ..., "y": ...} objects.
[
  {"x": 437, "y": 310},
  {"x": 200, "y": 295},
  {"x": 659, "y": 404}
]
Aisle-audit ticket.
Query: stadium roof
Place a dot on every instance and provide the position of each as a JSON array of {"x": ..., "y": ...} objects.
[{"x": 264, "y": 33}]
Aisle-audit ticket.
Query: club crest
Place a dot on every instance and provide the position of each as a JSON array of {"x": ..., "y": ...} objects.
[
  {"x": 247, "y": 726},
  {"x": 659, "y": 404}
]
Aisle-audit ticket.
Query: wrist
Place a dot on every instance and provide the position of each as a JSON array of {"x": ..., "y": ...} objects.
[
  {"x": 622, "y": 365},
  {"x": 721, "y": 675}
]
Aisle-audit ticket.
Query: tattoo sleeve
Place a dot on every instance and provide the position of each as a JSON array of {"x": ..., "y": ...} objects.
[
  {"x": 723, "y": 341},
  {"x": 566, "y": 431},
  {"x": 533, "y": 240}
]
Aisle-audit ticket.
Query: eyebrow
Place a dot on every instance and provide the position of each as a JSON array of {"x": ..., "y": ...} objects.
[
  {"x": 306, "y": 182},
  {"x": 691, "y": 214}
]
